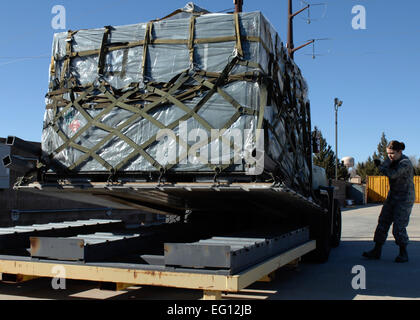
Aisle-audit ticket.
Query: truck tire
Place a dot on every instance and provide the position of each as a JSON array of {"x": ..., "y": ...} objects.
[
  {"x": 337, "y": 222},
  {"x": 322, "y": 235},
  {"x": 323, "y": 242}
]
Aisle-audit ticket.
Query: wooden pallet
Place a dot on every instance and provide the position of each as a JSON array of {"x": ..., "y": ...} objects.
[{"x": 212, "y": 285}]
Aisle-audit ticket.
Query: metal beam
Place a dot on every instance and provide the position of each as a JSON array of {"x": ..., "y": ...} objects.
[
  {"x": 91, "y": 247},
  {"x": 171, "y": 198},
  {"x": 19, "y": 163},
  {"x": 18, "y": 237},
  {"x": 33, "y": 148},
  {"x": 234, "y": 254}
]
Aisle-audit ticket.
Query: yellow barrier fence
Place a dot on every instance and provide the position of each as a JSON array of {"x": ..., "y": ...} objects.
[{"x": 377, "y": 188}]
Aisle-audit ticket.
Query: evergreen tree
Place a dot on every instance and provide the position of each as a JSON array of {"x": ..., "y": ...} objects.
[
  {"x": 417, "y": 169},
  {"x": 342, "y": 172},
  {"x": 367, "y": 168},
  {"x": 381, "y": 153},
  {"x": 416, "y": 165},
  {"x": 326, "y": 158}
]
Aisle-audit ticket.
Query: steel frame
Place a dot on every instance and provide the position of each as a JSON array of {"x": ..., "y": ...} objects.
[
  {"x": 231, "y": 253},
  {"x": 171, "y": 198}
]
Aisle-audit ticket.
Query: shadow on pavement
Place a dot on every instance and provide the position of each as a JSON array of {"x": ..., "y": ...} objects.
[{"x": 385, "y": 279}]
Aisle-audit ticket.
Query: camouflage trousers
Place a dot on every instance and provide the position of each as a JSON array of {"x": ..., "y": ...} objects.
[{"x": 398, "y": 214}]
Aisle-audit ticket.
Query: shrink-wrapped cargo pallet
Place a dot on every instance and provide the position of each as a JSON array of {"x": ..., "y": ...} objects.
[{"x": 191, "y": 94}]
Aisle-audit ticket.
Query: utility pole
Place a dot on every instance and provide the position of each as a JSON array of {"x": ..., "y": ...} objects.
[
  {"x": 238, "y": 5},
  {"x": 337, "y": 103},
  {"x": 290, "y": 45}
]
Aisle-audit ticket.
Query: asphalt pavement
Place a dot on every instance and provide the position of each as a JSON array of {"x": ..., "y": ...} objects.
[{"x": 346, "y": 275}]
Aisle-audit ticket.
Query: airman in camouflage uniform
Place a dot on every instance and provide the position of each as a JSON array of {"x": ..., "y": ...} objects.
[{"x": 397, "y": 207}]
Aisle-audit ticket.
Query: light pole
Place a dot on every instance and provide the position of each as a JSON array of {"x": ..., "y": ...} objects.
[{"x": 337, "y": 103}]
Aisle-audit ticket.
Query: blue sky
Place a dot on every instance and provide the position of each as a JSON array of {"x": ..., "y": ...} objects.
[{"x": 374, "y": 71}]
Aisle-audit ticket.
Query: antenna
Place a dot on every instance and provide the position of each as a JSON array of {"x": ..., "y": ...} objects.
[
  {"x": 313, "y": 47},
  {"x": 309, "y": 18},
  {"x": 290, "y": 45}
]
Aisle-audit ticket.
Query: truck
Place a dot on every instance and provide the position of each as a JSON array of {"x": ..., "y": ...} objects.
[{"x": 200, "y": 117}]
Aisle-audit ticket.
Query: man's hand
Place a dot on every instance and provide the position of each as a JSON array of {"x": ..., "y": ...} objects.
[{"x": 377, "y": 162}]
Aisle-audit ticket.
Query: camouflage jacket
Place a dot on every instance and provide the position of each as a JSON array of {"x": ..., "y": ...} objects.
[{"x": 400, "y": 174}]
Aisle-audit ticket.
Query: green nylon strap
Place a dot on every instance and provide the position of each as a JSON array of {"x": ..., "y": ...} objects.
[
  {"x": 171, "y": 41},
  {"x": 226, "y": 96},
  {"x": 138, "y": 113},
  {"x": 70, "y": 104},
  {"x": 191, "y": 39},
  {"x": 226, "y": 126},
  {"x": 110, "y": 49},
  {"x": 180, "y": 81},
  {"x": 232, "y": 145},
  {"x": 116, "y": 133},
  {"x": 199, "y": 105},
  {"x": 179, "y": 11},
  {"x": 57, "y": 92},
  {"x": 250, "y": 64},
  {"x": 124, "y": 64},
  {"x": 103, "y": 50},
  {"x": 263, "y": 104},
  {"x": 147, "y": 39},
  {"x": 105, "y": 140},
  {"x": 52, "y": 67},
  {"x": 251, "y": 76},
  {"x": 67, "y": 61},
  {"x": 166, "y": 97},
  {"x": 94, "y": 120},
  {"x": 182, "y": 106},
  {"x": 174, "y": 124},
  {"x": 119, "y": 135},
  {"x": 81, "y": 148},
  {"x": 209, "y": 140},
  {"x": 238, "y": 35},
  {"x": 95, "y": 156},
  {"x": 101, "y": 102}
]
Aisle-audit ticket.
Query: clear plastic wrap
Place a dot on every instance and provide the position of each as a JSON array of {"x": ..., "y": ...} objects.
[{"x": 190, "y": 42}]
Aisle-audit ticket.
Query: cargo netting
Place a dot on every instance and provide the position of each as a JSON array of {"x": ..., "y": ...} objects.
[{"x": 115, "y": 91}]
